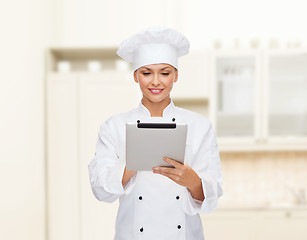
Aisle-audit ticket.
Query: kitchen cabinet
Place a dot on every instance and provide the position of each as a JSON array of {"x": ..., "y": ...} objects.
[
  {"x": 282, "y": 225},
  {"x": 77, "y": 103},
  {"x": 285, "y": 108},
  {"x": 98, "y": 101},
  {"x": 256, "y": 223},
  {"x": 221, "y": 225},
  {"x": 62, "y": 157},
  {"x": 258, "y": 99},
  {"x": 235, "y": 88}
]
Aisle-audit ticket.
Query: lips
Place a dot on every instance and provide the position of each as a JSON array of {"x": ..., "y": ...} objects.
[{"x": 155, "y": 90}]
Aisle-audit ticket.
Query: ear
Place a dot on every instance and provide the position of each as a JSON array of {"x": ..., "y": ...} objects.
[
  {"x": 176, "y": 72},
  {"x": 135, "y": 77}
]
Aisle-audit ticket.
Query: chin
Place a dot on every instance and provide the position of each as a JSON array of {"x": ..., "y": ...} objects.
[{"x": 158, "y": 99}]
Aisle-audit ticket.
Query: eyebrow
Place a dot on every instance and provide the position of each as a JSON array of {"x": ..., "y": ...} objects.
[
  {"x": 164, "y": 68},
  {"x": 161, "y": 69}
]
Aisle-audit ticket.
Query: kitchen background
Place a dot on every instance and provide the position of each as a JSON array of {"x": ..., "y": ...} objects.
[{"x": 247, "y": 72}]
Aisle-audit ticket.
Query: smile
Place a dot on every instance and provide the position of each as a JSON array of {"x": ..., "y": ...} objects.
[{"x": 155, "y": 90}]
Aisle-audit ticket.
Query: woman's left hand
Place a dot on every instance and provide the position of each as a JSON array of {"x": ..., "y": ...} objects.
[{"x": 184, "y": 175}]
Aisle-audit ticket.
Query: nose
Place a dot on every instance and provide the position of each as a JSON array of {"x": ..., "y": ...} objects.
[{"x": 156, "y": 80}]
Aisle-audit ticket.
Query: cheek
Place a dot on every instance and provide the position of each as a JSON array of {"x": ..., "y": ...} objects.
[
  {"x": 168, "y": 82},
  {"x": 143, "y": 83}
]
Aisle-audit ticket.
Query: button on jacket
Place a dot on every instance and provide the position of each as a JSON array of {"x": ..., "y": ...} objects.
[{"x": 152, "y": 206}]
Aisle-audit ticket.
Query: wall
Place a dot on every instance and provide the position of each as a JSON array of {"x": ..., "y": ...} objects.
[
  {"x": 25, "y": 32},
  {"x": 107, "y": 22}
]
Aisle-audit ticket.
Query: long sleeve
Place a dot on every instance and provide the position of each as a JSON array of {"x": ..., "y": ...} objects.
[
  {"x": 205, "y": 161},
  {"x": 106, "y": 168}
]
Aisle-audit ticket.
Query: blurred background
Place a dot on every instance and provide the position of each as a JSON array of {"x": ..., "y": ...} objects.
[{"x": 60, "y": 79}]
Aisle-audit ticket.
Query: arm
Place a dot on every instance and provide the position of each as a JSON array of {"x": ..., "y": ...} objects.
[
  {"x": 127, "y": 176},
  {"x": 206, "y": 163},
  {"x": 203, "y": 179},
  {"x": 197, "y": 190},
  {"x": 106, "y": 170},
  {"x": 184, "y": 175}
]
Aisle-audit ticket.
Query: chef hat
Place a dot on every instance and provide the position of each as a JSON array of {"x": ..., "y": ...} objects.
[{"x": 154, "y": 45}]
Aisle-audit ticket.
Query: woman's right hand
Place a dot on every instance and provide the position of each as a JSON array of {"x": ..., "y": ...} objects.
[{"x": 127, "y": 176}]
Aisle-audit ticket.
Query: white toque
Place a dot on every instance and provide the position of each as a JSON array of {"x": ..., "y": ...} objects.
[{"x": 154, "y": 45}]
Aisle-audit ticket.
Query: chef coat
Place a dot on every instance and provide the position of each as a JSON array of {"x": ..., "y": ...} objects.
[{"x": 152, "y": 206}]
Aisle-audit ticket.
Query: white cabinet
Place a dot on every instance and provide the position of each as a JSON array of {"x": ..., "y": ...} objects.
[
  {"x": 221, "y": 225},
  {"x": 282, "y": 225},
  {"x": 256, "y": 224},
  {"x": 99, "y": 100},
  {"x": 235, "y": 90},
  {"x": 77, "y": 105},
  {"x": 258, "y": 100},
  {"x": 62, "y": 157},
  {"x": 285, "y": 81},
  {"x": 78, "y": 102}
]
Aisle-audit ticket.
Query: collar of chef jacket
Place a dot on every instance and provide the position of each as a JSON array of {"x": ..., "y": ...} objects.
[{"x": 167, "y": 115}]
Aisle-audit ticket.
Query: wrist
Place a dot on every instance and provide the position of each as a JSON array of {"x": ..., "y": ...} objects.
[
  {"x": 197, "y": 190},
  {"x": 195, "y": 185}
]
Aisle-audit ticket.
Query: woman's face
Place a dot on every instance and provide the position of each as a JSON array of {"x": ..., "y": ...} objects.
[{"x": 156, "y": 81}]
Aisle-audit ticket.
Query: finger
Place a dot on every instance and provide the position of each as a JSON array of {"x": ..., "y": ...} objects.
[
  {"x": 173, "y": 177},
  {"x": 166, "y": 170},
  {"x": 173, "y": 162}
]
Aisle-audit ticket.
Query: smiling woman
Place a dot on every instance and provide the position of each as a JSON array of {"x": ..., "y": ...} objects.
[
  {"x": 164, "y": 203},
  {"x": 156, "y": 82}
]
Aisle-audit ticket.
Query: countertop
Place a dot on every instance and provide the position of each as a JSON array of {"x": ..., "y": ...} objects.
[{"x": 231, "y": 207}]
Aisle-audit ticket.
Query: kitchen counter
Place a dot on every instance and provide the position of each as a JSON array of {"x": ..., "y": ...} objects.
[
  {"x": 256, "y": 222},
  {"x": 223, "y": 207}
]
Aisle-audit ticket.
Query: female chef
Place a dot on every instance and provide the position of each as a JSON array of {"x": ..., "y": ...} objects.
[{"x": 164, "y": 203}]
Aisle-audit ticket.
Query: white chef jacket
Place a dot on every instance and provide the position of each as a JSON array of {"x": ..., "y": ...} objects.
[{"x": 152, "y": 206}]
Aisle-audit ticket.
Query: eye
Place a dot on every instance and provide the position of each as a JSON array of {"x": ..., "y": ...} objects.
[
  {"x": 146, "y": 73},
  {"x": 165, "y": 74}
]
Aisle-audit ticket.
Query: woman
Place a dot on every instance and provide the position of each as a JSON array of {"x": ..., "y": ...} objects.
[{"x": 164, "y": 203}]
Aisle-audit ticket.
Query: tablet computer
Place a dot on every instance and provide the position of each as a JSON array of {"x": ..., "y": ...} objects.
[{"x": 148, "y": 143}]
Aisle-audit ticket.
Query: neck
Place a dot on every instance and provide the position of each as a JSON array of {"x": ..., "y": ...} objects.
[{"x": 156, "y": 109}]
